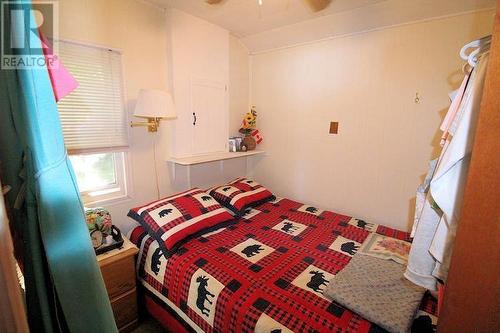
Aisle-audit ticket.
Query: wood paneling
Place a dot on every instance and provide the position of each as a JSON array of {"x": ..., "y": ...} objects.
[{"x": 472, "y": 296}]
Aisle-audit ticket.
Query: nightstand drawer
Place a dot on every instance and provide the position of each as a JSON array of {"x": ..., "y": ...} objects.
[
  {"x": 118, "y": 272},
  {"x": 119, "y": 276},
  {"x": 125, "y": 308}
]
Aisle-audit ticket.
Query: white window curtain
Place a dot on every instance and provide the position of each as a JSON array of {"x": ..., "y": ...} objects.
[{"x": 93, "y": 116}]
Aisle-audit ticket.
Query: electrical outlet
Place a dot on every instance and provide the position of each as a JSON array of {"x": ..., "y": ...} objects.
[{"x": 334, "y": 127}]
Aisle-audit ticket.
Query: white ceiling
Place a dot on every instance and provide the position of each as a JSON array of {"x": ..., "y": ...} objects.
[
  {"x": 245, "y": 17},
  {"x": 281, "y": 23}
]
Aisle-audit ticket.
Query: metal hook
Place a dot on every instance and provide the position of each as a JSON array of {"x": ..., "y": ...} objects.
[{"x": 417, "y": 98}]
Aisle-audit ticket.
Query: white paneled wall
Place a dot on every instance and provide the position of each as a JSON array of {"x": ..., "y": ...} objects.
[
  {"x": 367, "y": 83},
  {"x": 209, "y": 75},
  {"x": 239, "y": 84},
  {"x": 199, "y": 62}
]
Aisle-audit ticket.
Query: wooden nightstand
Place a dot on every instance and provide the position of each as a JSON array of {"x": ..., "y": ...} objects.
[{"x": 118, "y": 271}]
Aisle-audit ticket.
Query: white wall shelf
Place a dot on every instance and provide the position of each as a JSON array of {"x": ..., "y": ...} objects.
[
  {"x": 212, "y": 157},
  {"x": 191, "y": 170}
]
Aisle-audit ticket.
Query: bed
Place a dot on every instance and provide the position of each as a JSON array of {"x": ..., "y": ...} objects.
[{"x": 264, "y": 273}]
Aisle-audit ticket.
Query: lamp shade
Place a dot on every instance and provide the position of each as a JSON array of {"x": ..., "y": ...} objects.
[{"x": 154, "y": 104}]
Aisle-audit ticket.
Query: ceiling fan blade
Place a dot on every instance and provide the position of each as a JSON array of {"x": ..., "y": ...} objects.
[
  {"x": 317, "y": 5},
  {"x": 213, "y": 2}
]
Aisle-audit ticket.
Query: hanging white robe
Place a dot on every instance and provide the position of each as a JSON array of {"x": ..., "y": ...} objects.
[{"x": 435, "y": 232}]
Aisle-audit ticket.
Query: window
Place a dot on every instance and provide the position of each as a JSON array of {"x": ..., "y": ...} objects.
[
  {"x": 100, "y": 176},
  {"x": 94, "y": 123}
]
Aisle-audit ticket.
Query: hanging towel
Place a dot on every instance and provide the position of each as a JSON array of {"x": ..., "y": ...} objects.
[
  {"x": 435, "y": 233},
  {"x": 456, "y": 98},
  {"x": 421, "y": 195},
  {"x": 421, "y": 263},
  {"x": 448, "y": 185}
]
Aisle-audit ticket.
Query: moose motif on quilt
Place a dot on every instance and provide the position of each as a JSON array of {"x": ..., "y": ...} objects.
[
  {"x": 155, "y": 260},
  {"x": 252, "y": 250},
  {"x": 317, "y": 280},
  {"x": 203, "y": 294}
]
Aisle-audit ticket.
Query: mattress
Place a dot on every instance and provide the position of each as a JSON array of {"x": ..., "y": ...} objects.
[{"x": 265, "y": 273}]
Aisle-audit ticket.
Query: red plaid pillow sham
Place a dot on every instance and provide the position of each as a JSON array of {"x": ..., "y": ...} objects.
[
  {"x": 175, "y": 219},
  {"x": 241, "y": 194}
]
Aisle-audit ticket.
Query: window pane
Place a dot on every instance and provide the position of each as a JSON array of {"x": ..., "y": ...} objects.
[{"x": 95, "y": 171}]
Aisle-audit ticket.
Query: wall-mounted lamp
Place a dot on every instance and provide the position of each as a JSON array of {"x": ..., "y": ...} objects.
[{"x": 153, "y": 105}]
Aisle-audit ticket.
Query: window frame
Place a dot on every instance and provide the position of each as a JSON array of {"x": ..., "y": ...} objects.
[
  {"x": 124, "y": 171},
  {"x": 121, "y": 190}
]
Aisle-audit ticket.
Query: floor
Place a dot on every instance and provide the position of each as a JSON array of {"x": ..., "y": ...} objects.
[{"x": 149, "y": 325}]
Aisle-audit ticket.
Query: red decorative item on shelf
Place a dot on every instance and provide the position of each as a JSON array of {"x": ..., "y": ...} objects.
[
  {"x": 257, "y": 137},
  {"x": 252, "y": 135}
]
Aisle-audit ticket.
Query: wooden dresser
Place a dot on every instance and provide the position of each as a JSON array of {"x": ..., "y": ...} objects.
[{"x": 118, "y": 271}]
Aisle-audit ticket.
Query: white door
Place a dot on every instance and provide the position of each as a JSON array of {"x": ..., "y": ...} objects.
[{"x": 209, "y": 115}]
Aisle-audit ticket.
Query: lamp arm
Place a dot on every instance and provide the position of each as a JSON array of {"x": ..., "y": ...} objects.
[{"x": 152, "y": 124}]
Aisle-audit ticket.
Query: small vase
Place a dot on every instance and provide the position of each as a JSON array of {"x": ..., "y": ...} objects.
[{"x": 248, "y": 143}]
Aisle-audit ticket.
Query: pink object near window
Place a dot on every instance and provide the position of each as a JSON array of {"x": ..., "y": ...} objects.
[{"x": 61, "y": 79}]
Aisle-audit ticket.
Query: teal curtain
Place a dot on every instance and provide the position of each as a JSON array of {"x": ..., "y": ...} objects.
[{"x": 64, "y": 287}]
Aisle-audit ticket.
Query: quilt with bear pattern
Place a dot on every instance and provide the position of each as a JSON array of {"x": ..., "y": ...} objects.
[{"x": 265, "y": 273}]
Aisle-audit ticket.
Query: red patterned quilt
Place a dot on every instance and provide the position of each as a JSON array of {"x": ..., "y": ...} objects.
[{"x": 266, "y": 273}]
